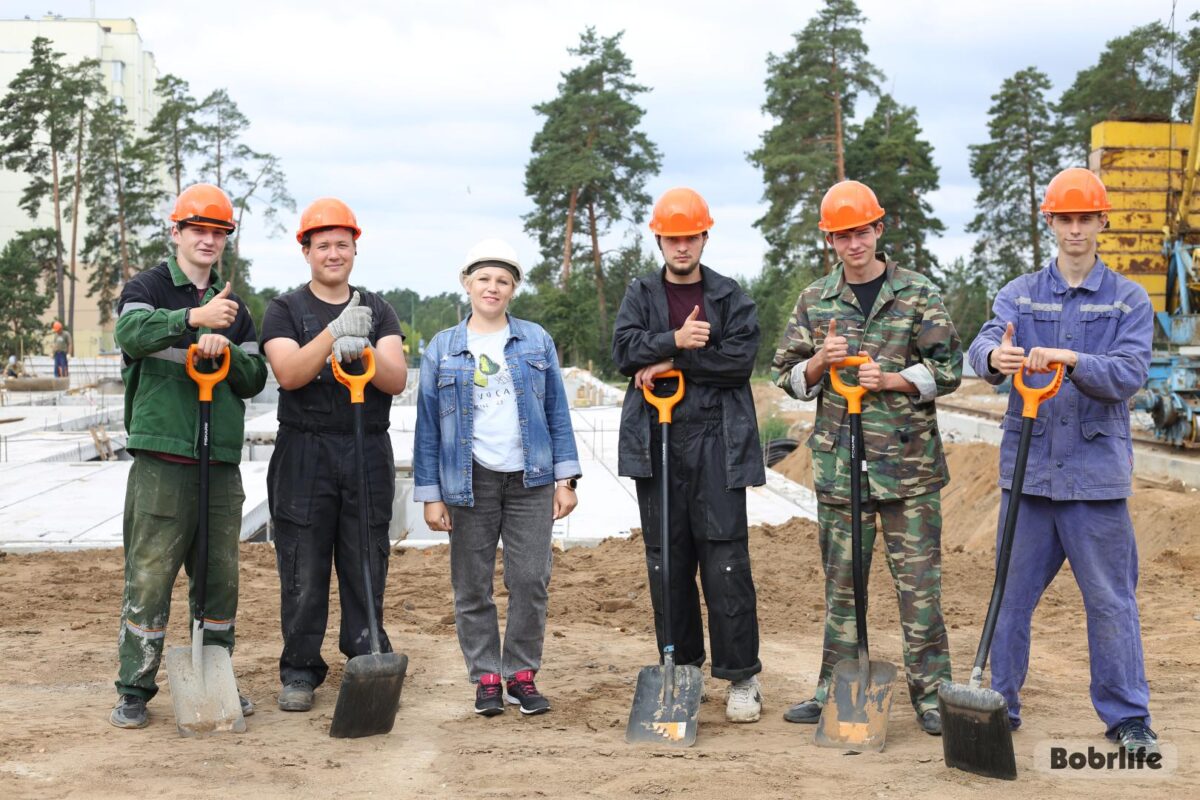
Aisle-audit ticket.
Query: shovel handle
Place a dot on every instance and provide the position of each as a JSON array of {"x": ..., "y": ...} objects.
[
  {"x": 665, "y": 405},
  {"x": 1036, "y": 395},
  {"x": 206, "y": 380},
  {"x": 356, "y": 383},
  {"x": 853, "y": 394}
]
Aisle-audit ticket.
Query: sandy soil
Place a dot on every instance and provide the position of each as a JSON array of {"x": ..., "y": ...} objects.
[{"x": 58, "y": 621}]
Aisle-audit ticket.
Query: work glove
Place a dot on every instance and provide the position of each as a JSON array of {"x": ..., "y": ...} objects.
[
  {"x": 355, "y": 320},
  {"x": 348, "y": 348}
]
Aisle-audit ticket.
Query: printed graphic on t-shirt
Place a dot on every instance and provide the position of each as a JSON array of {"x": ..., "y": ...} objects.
[{"x": 493, "y": 384}]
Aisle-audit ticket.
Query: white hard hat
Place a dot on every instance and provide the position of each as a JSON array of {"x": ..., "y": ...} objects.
[{"x": 492, "y": 250}]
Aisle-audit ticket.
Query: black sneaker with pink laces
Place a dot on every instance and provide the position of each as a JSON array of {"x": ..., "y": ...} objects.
[
  {"x": 488, "y": 700},
  {"x": 521, "y": 691}
]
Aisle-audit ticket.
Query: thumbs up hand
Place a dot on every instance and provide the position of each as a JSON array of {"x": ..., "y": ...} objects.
[
  {"x": 693, "y": 334},
  {"x": 355, "y": 320},
  {"x": 218, "y": 313},
  {"x": 1007, "y": 358},
  {"x": 835, "y": 347}
]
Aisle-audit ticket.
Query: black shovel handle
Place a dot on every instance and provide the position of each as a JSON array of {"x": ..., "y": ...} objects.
[
  {"x": 205, "y": 381},
  {"x": 853, "y": 396},
  {"x": 357, "y": 386},
  {"x": 665, "y": 405},
  {"x": 1032, "y": 397}
]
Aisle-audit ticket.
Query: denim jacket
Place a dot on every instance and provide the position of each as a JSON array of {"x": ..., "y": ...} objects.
[
  {"x": 442, "y": 457},
  {"x": 1081, "y": 447}
]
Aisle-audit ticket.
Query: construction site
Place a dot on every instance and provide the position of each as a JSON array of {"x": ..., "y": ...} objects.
[{"x": 65, "y": 568}]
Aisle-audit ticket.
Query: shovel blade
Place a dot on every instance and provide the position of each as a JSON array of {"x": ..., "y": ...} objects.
[
  {"x": 976, "y": 736},
  {"x": 205, "y": 700},
  {"x": 855, "y": 716},
  {"x": 670, "y": 720},
  {"x": 370, "y": 695}
]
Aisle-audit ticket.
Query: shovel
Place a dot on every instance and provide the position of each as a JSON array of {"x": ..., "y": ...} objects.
[
  {"x": 856, "y": 714},
  {"x": 976, "y": 736},
  {"x": 203, "y": 689},
  {"x": 371, "y": 684},
  {"x": 666, "y": 702}
]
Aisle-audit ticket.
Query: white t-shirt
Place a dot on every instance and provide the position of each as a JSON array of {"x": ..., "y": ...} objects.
[{"x": 497, "y": 428}]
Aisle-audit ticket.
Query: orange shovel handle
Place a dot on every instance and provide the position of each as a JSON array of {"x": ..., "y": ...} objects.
[
  {"x": 665, "y": 405},
  {"x": 853, "y": 394},
  {"x": 206, "y": 380},
  {"x": 1035, "y": 395},
  {"x": 356, "y": 383}
]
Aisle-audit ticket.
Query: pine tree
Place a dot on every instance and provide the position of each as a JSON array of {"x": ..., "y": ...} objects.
[
  {"x": 38, "y": 120},
  {"x": 966, "y": 293},
  {"x": 175, "y": 131},
  {"x": 1012, "y": 169},
  {"x": 590, "y": 161},
  {"x": 1133, "y": 79},
  {"x": 888, "y": 154},
  {"x": 27, "y": 264},
  {"x": 811, "y": 93}
]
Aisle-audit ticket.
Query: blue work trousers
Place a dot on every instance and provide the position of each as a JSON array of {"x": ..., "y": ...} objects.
[{"x": 1096, "y": 536}]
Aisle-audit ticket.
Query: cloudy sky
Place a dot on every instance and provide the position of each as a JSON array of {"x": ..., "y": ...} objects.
[{"x": 419, "y": 113}]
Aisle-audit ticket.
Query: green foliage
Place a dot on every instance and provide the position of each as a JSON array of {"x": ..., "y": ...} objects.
[
  {"x": 423, "y": 317},
  {"x": 1022, "y": 155},
  {"x": 811, "y": 91},
  {"x": 774, "y": 291},
  {"x": 28, "y": 266},
  {"x": 772, "y": 427},
  {"x": 888, "y": 154},
  {"x": 175, "y": 130},
  {"x": 965, "y": 292}
]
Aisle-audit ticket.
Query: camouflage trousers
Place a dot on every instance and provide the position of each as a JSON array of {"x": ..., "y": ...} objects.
[{"x": 912, "y": 533}]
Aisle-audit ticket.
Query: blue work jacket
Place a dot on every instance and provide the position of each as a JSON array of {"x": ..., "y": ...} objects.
[
  {"x": 1081, "y": 448},
  {"x": 442, "y": 454}
]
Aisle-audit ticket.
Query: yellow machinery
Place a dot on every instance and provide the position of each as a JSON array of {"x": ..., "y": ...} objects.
[{"x": 1150, "y": 171}]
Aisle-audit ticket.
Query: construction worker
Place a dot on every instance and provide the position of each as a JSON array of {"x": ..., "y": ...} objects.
[
  {"x": 690, "y": 318},
  {"x": 161, "y": 311},
  {"x": 13, "y": 368},
  {"x": 870, "y": 305},
  {"x": 1077, "y": 312},
  {"x": 495, "y": 460},
  {"x": 62, "y": 346},
  {"x": 312, "y": 480}
]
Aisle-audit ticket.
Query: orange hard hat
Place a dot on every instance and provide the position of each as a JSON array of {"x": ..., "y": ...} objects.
[
  {"x": 847, "y": 205},
  {"x": 680, "y": 212},
  {"x": 57, "y": 326},
  {"x": 1076, "y": 191},
  {"x": 327, "y": 212},
  {"x": 205, "y": 205}
]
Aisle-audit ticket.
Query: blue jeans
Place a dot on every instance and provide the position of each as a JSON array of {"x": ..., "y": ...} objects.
[
  {"x": 1096, "y": 536},
  {"x": 60, "y": 364}
]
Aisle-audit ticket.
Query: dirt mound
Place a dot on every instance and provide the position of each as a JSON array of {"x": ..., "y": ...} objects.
[{"x": 797, "y": 466}]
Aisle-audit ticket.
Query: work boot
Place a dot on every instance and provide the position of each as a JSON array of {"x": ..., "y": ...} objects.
[
  {"x": 521, "y": 691},
  {"x": 129, "y": 712},
  {"x": 931, "y": 722},
  {"x": 806, "y": 713},
  {"x": 745, "y": 700},
  {"x": 295, "y": 696},
  {"x": 247, "y": 705},
  {"x": 488, "y": 702},
  {"x": 1135, "y": 736}
]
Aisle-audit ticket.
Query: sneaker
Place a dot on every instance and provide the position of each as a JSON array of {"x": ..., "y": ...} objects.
[
  {"x": 247, "y": 705},
  {"x": 295, "y": 696},
  {"x": 521, "y": 691},
  {"x": 745, "y": 700},
  {"x": 1136, "y": 736},
  {"x": 931, "y": 722},
  {"x": 806, "y": 713},
  {"x": 129, "y": 712},
  {"x": 488, "y": 701}
]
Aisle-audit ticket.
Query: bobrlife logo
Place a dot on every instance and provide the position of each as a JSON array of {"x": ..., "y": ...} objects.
[{"x": 1107, "y": 760}]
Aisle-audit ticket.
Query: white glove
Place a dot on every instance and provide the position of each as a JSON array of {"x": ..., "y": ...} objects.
[
  {"x": 355, "y": 320},
  {"x": 348, "y": 348}
]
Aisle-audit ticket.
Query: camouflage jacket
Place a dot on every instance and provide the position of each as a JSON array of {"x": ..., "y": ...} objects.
[{"x": 909, "y": 332}]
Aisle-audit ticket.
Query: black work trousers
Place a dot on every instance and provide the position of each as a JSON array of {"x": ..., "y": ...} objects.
[
  {"x": 707, "y": 533},
  {"x": 312, "y": 492}
]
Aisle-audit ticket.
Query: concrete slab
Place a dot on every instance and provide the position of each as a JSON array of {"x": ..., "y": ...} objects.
[{"x": 55, "y": 446}]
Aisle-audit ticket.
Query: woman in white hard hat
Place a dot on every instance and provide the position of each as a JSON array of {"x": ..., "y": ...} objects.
[{"x": 495, "y": 459}]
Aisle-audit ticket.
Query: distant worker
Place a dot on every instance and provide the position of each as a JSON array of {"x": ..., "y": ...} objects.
[
  {"x": 691, "y": 318},
  {"x": 162, "y": 311},
  {"x": 1077, "y": 312},
  {"x": 312, "y": 480},
  {"x": 12, "y": 369},
  {"x": 871, "y": 305},
  {"x": 495, "y": 461},
  {"x": 62, "y": 346}
]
